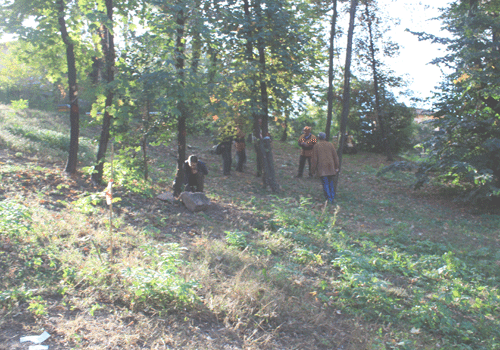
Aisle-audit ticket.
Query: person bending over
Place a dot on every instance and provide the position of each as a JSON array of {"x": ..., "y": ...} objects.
[{"x": 194, "y": 174}]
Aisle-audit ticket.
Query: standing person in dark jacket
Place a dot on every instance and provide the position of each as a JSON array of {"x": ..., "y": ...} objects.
[
  {"x": 240, "y": 145},
  {"x": 306, "y": 142},
  {"x": 194, "y": 174},
  {"x": 226, "y": 156},
  {"x": 227, "y": 134},
  {"x": 325, "y": 164}
]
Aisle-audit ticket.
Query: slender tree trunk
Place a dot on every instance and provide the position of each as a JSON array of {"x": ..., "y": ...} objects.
[
  {"x": 257, "y": 121},
  {"x": 108, "y": 46},
  {"x": 269, "y": 178},
  {"x": 144, "y": 142},
  {"x": 74, "y": 114},
  {"x": 330, "y": 72},
  {"x": 378, "y": 108},
  {"x": 250, "y": 58},
  {"x": 266, "y": 145},
  {"x": 347, "y": 86},
  {"x": 181, "y": 106},
  {"x": 196, "y": 46},
  {"x": 284, "y": 135},
  {"x": 264, "y": 112}
]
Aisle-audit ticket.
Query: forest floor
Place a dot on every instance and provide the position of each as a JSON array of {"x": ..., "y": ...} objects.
[{"x": 386, "y": 267}]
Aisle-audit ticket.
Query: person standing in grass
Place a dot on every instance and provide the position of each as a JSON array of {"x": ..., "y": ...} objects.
[
  {"x": 194, "y": 174},
  {"x": 325, "y": 164},
  {"x": 240, "y": 145},
  {"x": 227, "y": 134},
  {"x": 306, "y": 142}
]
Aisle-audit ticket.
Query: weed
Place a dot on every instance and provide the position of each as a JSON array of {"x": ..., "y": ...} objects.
[
  {"x": 160, "y": 283},
  {"x": 19, "y": 105},
  {"x": 15, "y": 219},
  {"x": 38, "y": 306},
  {"x": 87, "y": 203},
  {"x": 95, "y": 307},
  {"x": 236, "y": 239}
]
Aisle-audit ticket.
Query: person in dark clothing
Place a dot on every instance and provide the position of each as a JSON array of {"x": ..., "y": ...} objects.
[
  {"x": 227, "y": 133},
  {"x": 306, "y": 142},
  {"x": 241, "y": 156},
  {"x": 194, "y": 174},
  {"x": 226, "y": 156}
]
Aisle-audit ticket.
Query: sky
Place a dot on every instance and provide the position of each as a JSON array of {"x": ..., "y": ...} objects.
[{"x": 414, "y": 58}]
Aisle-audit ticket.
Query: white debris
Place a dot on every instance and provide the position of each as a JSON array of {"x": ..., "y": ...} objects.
[{"x": 37, "y": 339}]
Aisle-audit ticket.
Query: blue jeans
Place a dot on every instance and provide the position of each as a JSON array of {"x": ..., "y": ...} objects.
[{"x": 328, "y": 189}]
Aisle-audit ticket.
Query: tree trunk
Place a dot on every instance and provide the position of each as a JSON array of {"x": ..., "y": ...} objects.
[
  {"x": 264, "y": 112},
  {"x": 181, "y": 106},
  {"x": 107, "y": 41},
  {"x": 257, "y": 121},
  {"x": 266, "y": 149},
  {"x": 269, "y": 178},
  {"x": 376, "y": 87},
  {"x": 284, "y": 135},
  {"x": 330, "y": 72},
  {"x": 144, "y": 142},
  {"x": 347, "y": 87},
  {"x": 74, "y": 114}
]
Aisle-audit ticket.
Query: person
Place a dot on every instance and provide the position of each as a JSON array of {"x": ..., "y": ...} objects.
[
  {"x": 350, "y": 145},
  {"x": 226, "y": 156},
  {"x": 325, "y": 164},
  {"x": 194, "y": 174},
  {"x": 227, "y": 134},
  {"x": 306, "y": 142},
  {"x": 240, "y": 145}
]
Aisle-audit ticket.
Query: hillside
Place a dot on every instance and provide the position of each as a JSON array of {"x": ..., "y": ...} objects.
[{"x": 385, "y": 268}]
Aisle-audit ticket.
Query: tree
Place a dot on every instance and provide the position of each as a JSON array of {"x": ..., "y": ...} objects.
[
  {"x": 374, "y": 63},
  {"x": 74, "y": 114},
  {"x": 347, "y": 86},
  {"x": 181, "y": 104},
  {"x": 465, "y": 149},
  {"x": 50, "y": 18},
  {"x": 108, "y": 48},
  {"x": 331, "y": 52}
]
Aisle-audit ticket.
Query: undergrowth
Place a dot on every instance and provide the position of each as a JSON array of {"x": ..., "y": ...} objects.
[{"x": 368, "y": 273}]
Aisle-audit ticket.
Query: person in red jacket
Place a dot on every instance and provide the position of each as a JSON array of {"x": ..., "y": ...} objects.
[
  {"x": 325, "y": 164},
  {"x": 306, "y": 142}
]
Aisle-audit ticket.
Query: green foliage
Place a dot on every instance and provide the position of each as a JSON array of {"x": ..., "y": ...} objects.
[
  {"x": 43, "y": 133},
  {"x": 445, "y": 293},
  {"x": 236, "y": 239},
  {"x": 38, "y": 306},
  {"x": 15, "y": 219},
  {"x": 128, "y": 172},
  {"x": 464, "y": 151},
  {"x": 9, "y": 298},
  {"x": 160, "y": 283},
  {"x": 305, "y": 256},
  {"x": 19, "y": 105},
  {"x": 395, "y": 278},
  {"x": 87, "y": 203},
  {"x": 398, "y": 120}
]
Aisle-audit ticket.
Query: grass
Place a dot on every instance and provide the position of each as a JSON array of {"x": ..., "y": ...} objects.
[{"x": 386, "y": 268}]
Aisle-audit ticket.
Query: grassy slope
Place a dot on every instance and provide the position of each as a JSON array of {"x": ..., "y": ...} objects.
[{"x": 386, "y": 268}]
